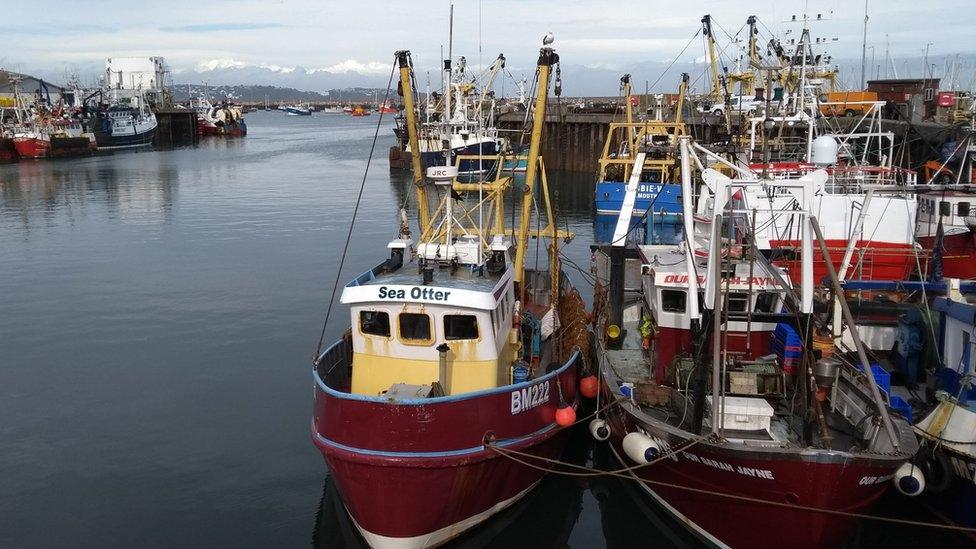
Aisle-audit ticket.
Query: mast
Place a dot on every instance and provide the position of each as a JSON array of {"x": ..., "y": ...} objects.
[
  {"x": 682, "y": 92},
  {"x": 747, "y": 83},
  {"x": 406, "y": 90},
  {"x": 712, "y": 56},
  {"x": 629, "y": 110},
  {"x": 864, "y": 44},
  {"x": 496, "y": 67},
  {"x": 547, "y": 58}
]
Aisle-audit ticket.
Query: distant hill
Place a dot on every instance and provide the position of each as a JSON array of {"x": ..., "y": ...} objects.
[{"x": 274, "y": 94}]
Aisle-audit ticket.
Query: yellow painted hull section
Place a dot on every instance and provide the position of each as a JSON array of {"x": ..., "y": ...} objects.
[{"x": 372, "y": 374}]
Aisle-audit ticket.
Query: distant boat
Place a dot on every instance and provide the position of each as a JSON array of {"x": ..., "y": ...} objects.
[
  {"x": 360, "y": 111},
  {"x": 332, "y": 110},
  {"x": 32, "y": 143},
  {"x": 206, "y": 124},
  {"x": 385, "y": 108},
  {"x": 296, "y": 109},
  {"x": 30, "y": 139},
  {"x": 70, "y": 138},
  {"x": 127, "y": 123}
]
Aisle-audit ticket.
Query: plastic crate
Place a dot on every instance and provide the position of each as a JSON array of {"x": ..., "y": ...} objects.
[
  {"x": 786, "y": 334},
  {"x": 899, "y": 405},
  {"x": 881, "y": 376},
  {"x": 781, "y": 350}
]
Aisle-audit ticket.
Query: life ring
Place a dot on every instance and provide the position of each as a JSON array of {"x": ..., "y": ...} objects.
[{"x": 935, "y": 467}]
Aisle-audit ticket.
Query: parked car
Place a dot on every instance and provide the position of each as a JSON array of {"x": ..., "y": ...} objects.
[{"x": 738, "y": 103}]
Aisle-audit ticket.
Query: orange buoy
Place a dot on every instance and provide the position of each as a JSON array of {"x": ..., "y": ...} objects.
[
  {"x": 565, "y": 416},
  {"x": 589, "y": 386}
]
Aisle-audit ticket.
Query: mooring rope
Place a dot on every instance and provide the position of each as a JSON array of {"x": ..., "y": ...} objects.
[
  {"x": 627, "y": 474},
  {"x": 585, "y": 471}
]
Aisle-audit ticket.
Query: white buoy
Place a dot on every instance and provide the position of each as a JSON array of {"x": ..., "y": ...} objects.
[
  {"x": 823, "y": 151},
  {"x": 909, "y": 480},
  {"x": 599, "y": 429},
  {"x": 641, "y": 448}
]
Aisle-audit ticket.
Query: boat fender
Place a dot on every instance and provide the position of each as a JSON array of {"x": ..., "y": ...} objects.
[
  {"x": 599, "y": 429},
  {"x": 641, "y": 448},
  {"x": 935, "y": 468},
  {"x": 565, "y": 416},
  {"x": 909, "y": 479},
  {"x": 589, "y": 386}
]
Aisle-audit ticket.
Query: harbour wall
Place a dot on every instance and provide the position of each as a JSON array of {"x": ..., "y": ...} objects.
[
  {"x": 574, "y": 141},
  {"x": 176, "y": 128}
]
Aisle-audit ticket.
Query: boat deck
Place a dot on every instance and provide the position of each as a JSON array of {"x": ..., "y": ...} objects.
[{"x": 630, "y": 362}]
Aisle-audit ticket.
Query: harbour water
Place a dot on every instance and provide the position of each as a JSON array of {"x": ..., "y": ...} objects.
[{"x": 158, "y": 313}]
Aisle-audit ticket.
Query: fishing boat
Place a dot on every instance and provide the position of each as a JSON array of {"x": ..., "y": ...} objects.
[
  {"x": 946, "y": 219},
  {"x": 386, "y": 108},
  {"x": 228, "y": 120},
  {"x": 457, "y": 353},
  {"x": 126, "y": 122},
  {"x": 657, "y": 194},
  {"x": 359, "y": 110},
  {"x": 71, "y": 138},
  {"x": 30, "y": 135},
  {"x": 206, "y": 124},
  {"x": 296, "y": 109},
  {"x": 865, "y": 193},
  {"x": 741, "y": 434},
  {"x": 947, "y": 457},
  {"x": 464, "y": 118},
  {"x": 945, "y": 216},
  {"x": 32, "y": 141}
]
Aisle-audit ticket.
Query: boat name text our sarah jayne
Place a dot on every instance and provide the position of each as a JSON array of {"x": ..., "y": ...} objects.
[{"x": 416, "y": 292}]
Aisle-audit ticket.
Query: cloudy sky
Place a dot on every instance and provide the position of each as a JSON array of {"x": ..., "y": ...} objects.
[{"x": 345, "y": 37}]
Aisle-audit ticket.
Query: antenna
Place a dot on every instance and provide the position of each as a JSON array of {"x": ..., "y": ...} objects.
[{"x": 864, "y": 43}]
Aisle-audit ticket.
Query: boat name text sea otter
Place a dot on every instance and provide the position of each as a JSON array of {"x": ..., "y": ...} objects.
[{"x": 416, "y": 292}]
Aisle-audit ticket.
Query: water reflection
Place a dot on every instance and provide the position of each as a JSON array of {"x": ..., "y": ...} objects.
[{"x": 137, "y": 188}]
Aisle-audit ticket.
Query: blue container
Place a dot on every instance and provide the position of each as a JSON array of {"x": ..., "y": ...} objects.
[
  {"x": 899, "y": 405},
  {"x": 520, "y": 372},
  {"x": 787, "y": 335},
  {"x": 881, "y": 376}
]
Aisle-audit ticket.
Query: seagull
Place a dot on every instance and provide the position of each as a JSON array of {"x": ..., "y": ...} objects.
[{"x": 548, "y": 39}]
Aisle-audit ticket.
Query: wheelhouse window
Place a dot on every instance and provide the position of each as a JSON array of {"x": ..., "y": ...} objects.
[
  {"x": 460, "y": 327},
  {"x": 673, "y": 301},
  {"x": 962, "y": 210},
  {"x": 738, "y": 302},
  {"x": 375, "y": 323},
  {"x": 415, "y": 328},
  {"x": 766, "y": 302}
]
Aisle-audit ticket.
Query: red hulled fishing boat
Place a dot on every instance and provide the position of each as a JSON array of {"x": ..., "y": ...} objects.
[
  {"x": 450, "y": 360},
  {"x": 740, "y": 433},
  {"x": 33, "y": 143}
]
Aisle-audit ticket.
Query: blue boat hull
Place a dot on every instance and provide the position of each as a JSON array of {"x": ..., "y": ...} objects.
[
  {"x": 660, "y": 230},
  {"x": 663, "y": 199},
  {"x": 108, "y": 141},
  {"x": 436, "y": 158}
]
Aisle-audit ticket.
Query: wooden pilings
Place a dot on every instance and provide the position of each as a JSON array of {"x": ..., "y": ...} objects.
[{"x": 176, "y": 128}]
